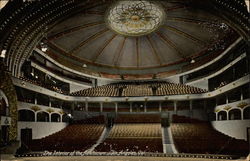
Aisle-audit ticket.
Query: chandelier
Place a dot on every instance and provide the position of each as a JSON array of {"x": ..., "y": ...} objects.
[{"x": 135, "y": 18}]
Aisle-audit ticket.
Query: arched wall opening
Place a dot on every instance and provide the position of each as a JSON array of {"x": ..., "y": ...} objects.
[
  {"x": 55, "y": 117},
  {"x": 235, "y": 114},
  {"x": 42, "y": 117},
  {"x": 26, "y": 115},
  {"x": 222, "y": 115}
]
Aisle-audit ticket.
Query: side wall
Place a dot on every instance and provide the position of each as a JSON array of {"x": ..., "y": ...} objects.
[
  {"x": 233, "y": 128},
  {"x": 40, "y": 129}
]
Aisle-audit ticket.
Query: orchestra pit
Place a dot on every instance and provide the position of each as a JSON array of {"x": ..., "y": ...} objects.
[{"x": 125, "y": 80}]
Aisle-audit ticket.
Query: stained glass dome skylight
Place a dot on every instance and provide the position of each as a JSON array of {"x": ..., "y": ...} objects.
[{"x": 135, "y": 18}]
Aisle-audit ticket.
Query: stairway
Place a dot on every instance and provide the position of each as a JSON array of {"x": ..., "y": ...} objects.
[
  {"x": 104, "y": 135},
  {"x": 167, "y": 141}
]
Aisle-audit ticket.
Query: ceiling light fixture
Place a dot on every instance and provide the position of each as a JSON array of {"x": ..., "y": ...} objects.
[
  {"x": 3, "y": 53},
  {"x": 44, "y": 49},
  {"x": 44, "y": 46},
  {"x": 135, "y": 18},
  {"x": 69, "y": 115}
]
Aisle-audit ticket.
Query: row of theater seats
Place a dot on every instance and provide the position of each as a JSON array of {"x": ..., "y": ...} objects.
[
  {"x": 136, "y": 130},
  {"x": 101, "y": 91},
  {"x": 137, "y": 118},
  {"x": 190, "y": 90},
  {"x": 192, "y": 136},
  {"x": 139, "y": 89},
  {"x": 127, "y": 137},
  {"x": 78, "y": 136},
  {"x": 44, "y": 85},
  {"x": 128, "y": 134},
  {"x": 131, "y": 145},
  {"x": 125, "y": 89},
  {"x": 134, "y": 133}
]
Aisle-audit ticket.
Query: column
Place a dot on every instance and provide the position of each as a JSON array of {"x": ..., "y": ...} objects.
[
  {"x": 49, "y": 102},
  {"x": 227, "y": 99},
  {"x": 116, "y": 107},
  {"x": 191, "y": 108},
  {"x": 145, "y": 106},
  {"x": 130, "y": 107},
  {"x": 241, "y": 94},
  {"x": 60, "y": 104},
  {"x": 86, "y": 106},
  {"x": 160, "y": 107},
  {"x": 49, "y": 117},
  {"x": 35, "y": 116},
  {"x": 35, "y": 101},
  {"x": 175, "y": 107},
  {"x": 101, "y": 107},
  {"x": 72, "y": 108},
  {"x": 242, "y": 114}
]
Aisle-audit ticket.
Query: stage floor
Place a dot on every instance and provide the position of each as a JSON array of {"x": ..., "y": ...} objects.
[{"x": 109, "y": 158}]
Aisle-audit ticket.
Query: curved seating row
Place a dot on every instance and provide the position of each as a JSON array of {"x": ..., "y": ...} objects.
[
  {"x": 200, "y": 137},
  {"x": 138, "y": 118},
  {"x": 133, "y": 138},
  {"x": 79, "y": 136},
  {"x": 138, "y": 89},
  {"x": 44, "y": 85}
]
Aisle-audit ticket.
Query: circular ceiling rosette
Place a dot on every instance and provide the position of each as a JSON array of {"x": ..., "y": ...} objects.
[{"x": 135, "y": 18}]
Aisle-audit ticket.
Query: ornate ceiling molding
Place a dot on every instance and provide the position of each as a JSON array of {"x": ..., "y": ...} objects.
[{"x": 135, "y": 18}]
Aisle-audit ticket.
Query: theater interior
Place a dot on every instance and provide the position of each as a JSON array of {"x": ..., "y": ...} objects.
[{"x": 125, "y": 80}]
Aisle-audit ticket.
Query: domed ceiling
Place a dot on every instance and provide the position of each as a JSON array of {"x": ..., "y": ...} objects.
[{"x": 135, "y": 37}]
